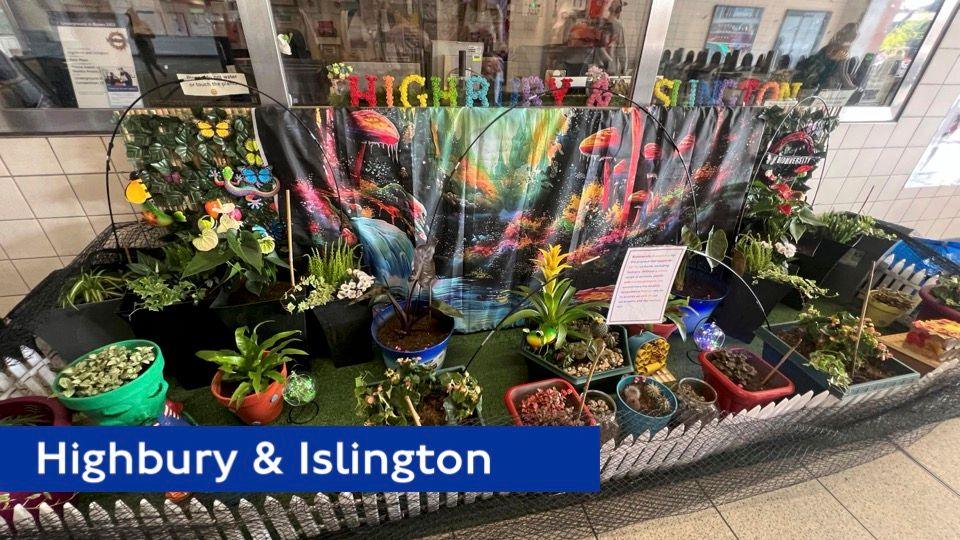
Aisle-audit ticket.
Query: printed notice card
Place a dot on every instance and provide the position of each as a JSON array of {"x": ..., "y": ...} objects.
[{"x": 643, "y": 286}]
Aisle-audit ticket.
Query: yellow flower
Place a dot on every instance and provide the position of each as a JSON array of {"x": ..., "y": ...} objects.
[
  {"x": 206, "y": 223},
  {"x": 227, "y": 223},
  {"x": 267, "y": 244},
  {"x": 222, "y": 129},
  {"x": 550, "y": 262},
  {"x": 136, "y": 192},
  {"x": 207, "y": 240}
]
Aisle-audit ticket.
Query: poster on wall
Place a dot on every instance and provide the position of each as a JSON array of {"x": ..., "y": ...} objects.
[
  {"x": 733, "y": 28},
  {"x": 99, "y": 60}
]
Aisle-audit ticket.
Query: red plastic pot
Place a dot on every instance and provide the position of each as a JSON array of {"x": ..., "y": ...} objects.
[
  {"x": 664, "y": 330},
  {"x": 515, "y": 395},
  {"x": 732, "y": 398},
  {"x": 931, "y": 308},
  {"x": 51, "y": 413},
  {"x": 255, "y": 409}
]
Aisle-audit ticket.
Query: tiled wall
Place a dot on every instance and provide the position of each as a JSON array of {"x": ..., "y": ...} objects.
[
  {"x": 868, "y": 164},
  {"x": 52, "y": 204}
]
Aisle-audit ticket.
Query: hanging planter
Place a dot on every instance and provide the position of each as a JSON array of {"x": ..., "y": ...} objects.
[
  {"x": 644, "y": 405},
  {"x": 130, "y": 391},
  {"x": 742, "y": 379},
  {"x": 426, "y": 340},
  {"x": 32, "y": 411}
]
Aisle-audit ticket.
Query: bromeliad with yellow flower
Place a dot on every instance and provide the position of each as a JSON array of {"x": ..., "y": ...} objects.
[{"x": 551, "y": 309}]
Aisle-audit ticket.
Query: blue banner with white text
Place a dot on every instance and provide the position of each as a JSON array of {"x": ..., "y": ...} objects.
[{"x": 301, "y": 459}]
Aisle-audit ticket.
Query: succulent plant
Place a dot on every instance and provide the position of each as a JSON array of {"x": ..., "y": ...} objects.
[{"x": 105, "y": 370}]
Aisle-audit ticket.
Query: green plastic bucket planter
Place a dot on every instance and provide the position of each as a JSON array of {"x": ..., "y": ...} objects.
[
  {"x": 138, "y": 402},
  {"x": 806, "y": 378}
]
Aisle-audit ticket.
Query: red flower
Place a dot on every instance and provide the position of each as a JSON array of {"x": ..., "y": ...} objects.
[
  {"x": 803, "y": 168},
  {"x": 785, "y": 209},
  {"x": 783, "y": 189}
]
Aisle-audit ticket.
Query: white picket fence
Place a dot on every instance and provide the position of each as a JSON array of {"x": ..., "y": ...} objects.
[
  {"x": 299, "y": 518},
  {"x": 896, "y": 274},
  {"x": 28, "y": 375}
]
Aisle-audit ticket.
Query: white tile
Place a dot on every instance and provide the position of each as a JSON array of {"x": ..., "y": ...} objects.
[
  {"x": 908, "y": 160},
  {"x": 91, "y": 190},
  {"x": 10, "y": 281},
  {"x": 839, "y": 163},
  {"x": 903, "y": 132},
  {"x": 13, "y": 204},
  {"x": 23, "y": 238},
  {"x": 68, "y": 235},
  {"x": 888, "y": 160},
  {"x": 953, "y": 230},
  {"x": 927, "y": 128},
  {"x": 936, "y": 230},
  {"x": 837, "y": 135},
  {"x": 897, "y": 209},
  {"x": 7, "y": 303},
  {"x": 856, "y": 136},
  {"x": 880, "y": 134},
  {"x": 850, "y": 190},
  {"x": 118, "y": 157},
  {"x": 953, "y": 77},
  {"x": 918, "y": 208},
  {"x": 940, "y": 65},
  {"x": 50, "y": 196},
  {"x": 951, "y": 38},
  {"x": 891, "y": 188},
  {"x": 920, "y": 100},
  {"x": 79, "y": 155},
  {"x": 33, "y": 271},
  {"x": 944, "y": 99},
  {"x": 829, "y": 187},
  {"x": 100, "y": 223},
  {"x": 3, "y": 169},
  {"x": 871, "y": 189},
  {"x": 947, "y": 191},
  {"x": 879, "y": 209},
  {"x": 28, "y": 155},
  {"x": 866, "y": 160}
]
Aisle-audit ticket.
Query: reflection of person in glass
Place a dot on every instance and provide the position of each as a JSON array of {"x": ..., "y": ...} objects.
[
  {"x": 826, "y": 69},
  {"x": 143, "y": 38},
  {"x": 377, "y": 32},
  {"x": 613, "y": 40}
]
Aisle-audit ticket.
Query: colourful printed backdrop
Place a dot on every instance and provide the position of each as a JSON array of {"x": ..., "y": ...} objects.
[{"x": 594, "y": 180}]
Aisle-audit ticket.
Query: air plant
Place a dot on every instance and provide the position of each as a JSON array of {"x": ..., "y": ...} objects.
[{"x": 552, "y": 308}]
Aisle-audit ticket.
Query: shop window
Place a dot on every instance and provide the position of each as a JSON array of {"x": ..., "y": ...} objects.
[
  {"x": 498, "y": 39},
  {"x": 99, "y": 54},
  {"x": 938, "y": 166},
  {"x": 850, "y": 52}
]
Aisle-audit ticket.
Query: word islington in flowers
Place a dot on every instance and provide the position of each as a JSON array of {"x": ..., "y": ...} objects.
[
  {"x": 526, "y": 90},
  {"x": 295, "y": 459}
]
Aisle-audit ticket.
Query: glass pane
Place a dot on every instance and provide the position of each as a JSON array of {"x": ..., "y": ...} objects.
[
  {"x": 851, "y": 52},
  {"x": 104, "y": 53},
  {"x": 503, "y": 39}
]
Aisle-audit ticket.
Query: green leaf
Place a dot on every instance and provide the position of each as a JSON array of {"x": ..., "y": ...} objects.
[
  {"x": 796, "y": 228},
  {"x": 446, "y": 309},
  {"x": 716, "y": 246},
  {"x": 203, "y": 261},
  {"x": 246, "y": 247}
]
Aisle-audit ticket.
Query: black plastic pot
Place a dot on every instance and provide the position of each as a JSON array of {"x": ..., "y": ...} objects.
[
  {"x": 180, "y": 331},
  {"x": 271, "y": 313},
  {"x": 75, "y": 331},
  {"x": 342, "y": 331},
  {"x": 852, "y": 269},
  {"x": 816, "y": 266},
  {"x": 739, "y": 316}
]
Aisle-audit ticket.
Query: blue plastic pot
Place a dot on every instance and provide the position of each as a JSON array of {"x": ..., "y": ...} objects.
[
  {"x": 433, "y": 354},
  {"x": 702, "y": 308},
  {"x": 638, "y": 423}
]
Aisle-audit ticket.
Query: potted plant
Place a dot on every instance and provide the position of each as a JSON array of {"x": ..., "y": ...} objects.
[
  {"x": 590, "y": 344},
  {"x": 163, "y": 307},
  {"x": 868, "y": 239},
  {"x": 742, "y": 379},
  {"x": 887, "y": 305},
  {"x": 696, "y": 401},
  {"x": 551, "y": 402},
  {"x": 941, "y": 301},
  {"x": 850, "y": 357},
  {"x": 32, "y": 411},
  {"x": 120, "y": 384},
  {"x": 763, "y": 264},
  {"x": 86, "y": 316},
  {"x": 604, "y": 409},
  {"x": 415, "y": 393},
  {"x": 702, "y": 290},
  {"x": 645, "y": 404},
  {"x": 250, "y": 379},
  {"x": 336, "y": 322}
]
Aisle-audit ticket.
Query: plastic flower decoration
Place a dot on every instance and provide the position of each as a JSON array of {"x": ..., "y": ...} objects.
[
  {"x": 227, "y": 223},
  {"x": 354, "y": 287},
  {"x": 786, "y": 249},
  {"x": 550, "y": 262},
  {"x": 208, "y": 130},
  {"x": 267, "y": 244},
  {"x": 208, "y": 238}
]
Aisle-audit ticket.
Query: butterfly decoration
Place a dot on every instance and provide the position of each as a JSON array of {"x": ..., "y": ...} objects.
[
  {"x": 253, "y": 152},
  {"x": 208, "y": 130},
  {"x": 256, "y": 178}
]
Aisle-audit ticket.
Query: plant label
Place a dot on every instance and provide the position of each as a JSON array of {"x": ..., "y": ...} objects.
[{"x": 643, "y": 286}]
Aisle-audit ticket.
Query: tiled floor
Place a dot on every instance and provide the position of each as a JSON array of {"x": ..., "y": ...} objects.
[{"x": 912, "y": 492}]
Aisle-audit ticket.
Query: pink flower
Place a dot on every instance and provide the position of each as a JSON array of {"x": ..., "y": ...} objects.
[{"x": 785, "y": 209}]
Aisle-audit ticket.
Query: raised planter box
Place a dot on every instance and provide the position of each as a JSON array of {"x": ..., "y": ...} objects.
[
  {"x": 806, "y": 378},
  {"x": 538, "y": 366},
  {"x": 733, "y": 398}
]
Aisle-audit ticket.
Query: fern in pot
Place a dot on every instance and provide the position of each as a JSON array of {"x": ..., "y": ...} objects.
[{"x": 250, "y": 379}]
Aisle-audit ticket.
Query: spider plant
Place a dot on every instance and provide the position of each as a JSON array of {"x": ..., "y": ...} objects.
[
  {"x": 552, "y": 307},
  {"x": 255, "y": 364},
  {"x": 91, "y": 286}
]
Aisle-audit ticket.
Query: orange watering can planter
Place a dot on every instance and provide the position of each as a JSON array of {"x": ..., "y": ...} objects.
[{"x": 255, "y": 409}]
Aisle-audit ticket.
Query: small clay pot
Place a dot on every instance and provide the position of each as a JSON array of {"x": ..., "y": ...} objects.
[{"x": 255, "y": 409}]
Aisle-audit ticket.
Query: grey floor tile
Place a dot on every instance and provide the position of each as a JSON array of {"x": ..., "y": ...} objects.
[
  {"x": 613, "y": 512},
  {"x": 568, "y": 523},
  {"x": 703, "y": 524},
  {"x": 805, "y": 510},
  {"x": 895, "y": 498},
  {"x": 937, "y": 451}
]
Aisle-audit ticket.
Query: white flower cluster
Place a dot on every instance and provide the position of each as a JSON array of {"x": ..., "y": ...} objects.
[
  {"x": 355, "y": 286},
  {"x": 786, "y": 249}
]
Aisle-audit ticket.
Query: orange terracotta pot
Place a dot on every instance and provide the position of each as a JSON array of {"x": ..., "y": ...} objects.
[{"x": 255, "y": 409}]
